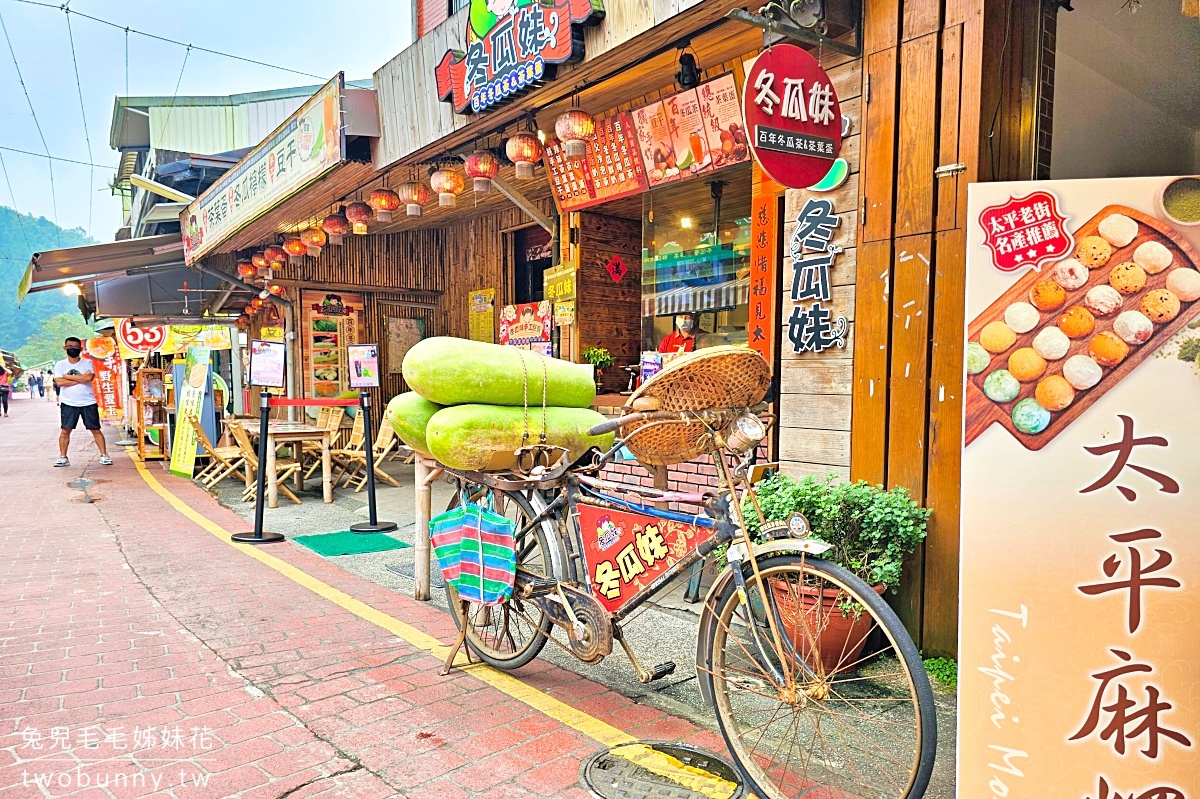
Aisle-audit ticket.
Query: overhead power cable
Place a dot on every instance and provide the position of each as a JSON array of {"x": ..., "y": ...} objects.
[
  {"x": 83, "y": 112},
  {"x": 128, "y": 30},
  {"x": 38, "y": 125},
  {"x": 55, "y": 157},
  {"x": 20, "y": 216}
]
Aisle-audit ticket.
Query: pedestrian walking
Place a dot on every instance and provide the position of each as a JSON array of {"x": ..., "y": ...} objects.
[
  {"x": 77, "y": 400},
  {"x": 31, "y": 383},
  {"x": 41, "y": 385},
  {"x": 5, "y": 389}
]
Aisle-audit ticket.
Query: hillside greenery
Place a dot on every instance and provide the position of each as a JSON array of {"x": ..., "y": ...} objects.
[{"x": 21, "y": 235}]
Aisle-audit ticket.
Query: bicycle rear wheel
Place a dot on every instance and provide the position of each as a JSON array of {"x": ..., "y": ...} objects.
[
  {"x": 510, "y": 635},
  {"x": 855, "y": 719}
]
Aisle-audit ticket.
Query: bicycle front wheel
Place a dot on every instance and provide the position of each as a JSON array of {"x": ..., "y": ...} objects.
[
  {"x": 511, "y": 634},
  {"x": 854, "y": 715}
]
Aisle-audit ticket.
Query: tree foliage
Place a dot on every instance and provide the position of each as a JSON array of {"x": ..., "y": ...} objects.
[
  {"x": 21, "y": 235},
  {"x": 47, "y": 343}
]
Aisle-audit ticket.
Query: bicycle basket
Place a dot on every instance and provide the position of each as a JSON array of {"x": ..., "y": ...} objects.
[
  {"x": 712, "y": 378},
  {"x": 476, "y": 552}
]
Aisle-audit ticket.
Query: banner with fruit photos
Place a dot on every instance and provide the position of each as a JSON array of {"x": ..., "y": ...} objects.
[
  {"x": 107, "y": 368},
  {"x": 189, "y": 403},
  {"x": 1078, "y": 668}
]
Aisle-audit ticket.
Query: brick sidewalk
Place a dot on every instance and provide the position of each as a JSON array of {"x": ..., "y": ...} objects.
[{"x": 139, "y": 649}]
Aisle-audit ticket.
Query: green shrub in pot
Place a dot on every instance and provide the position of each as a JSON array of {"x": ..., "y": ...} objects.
[{"x": 871, "y": 529}]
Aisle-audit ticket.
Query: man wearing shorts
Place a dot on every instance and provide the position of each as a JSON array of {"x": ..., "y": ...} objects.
[{"x": 73, "y": 379}]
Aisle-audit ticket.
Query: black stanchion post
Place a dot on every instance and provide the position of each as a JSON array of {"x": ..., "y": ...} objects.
[
  {"x": 258, "y": 536},
  {"x": 374, "y": 525}
]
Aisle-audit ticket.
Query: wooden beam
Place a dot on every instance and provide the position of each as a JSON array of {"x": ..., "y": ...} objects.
[{"x": 526, "y": 205}]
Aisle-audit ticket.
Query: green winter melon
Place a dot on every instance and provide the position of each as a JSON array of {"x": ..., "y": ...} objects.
[
  {"x": 456, "y": 371},
  {"x": 484, "y": 437},
  {"x": 409, "y": 413}
]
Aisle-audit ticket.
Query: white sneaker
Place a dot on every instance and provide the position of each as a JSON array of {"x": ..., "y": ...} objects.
[
  {"x": 105, "y": 460},
  {"x": 62, "y": 462}
]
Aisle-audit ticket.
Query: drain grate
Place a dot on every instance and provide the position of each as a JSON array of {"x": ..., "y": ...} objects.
[{"x": 660, "y": 771}]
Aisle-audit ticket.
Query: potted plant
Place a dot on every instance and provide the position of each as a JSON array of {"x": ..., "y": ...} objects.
[
  {"x": 872, "y": 530},
  {"x": 600, "y": 359}
]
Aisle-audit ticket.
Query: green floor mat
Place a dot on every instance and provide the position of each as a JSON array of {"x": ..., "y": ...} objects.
[{"x": 348, "y": 543}]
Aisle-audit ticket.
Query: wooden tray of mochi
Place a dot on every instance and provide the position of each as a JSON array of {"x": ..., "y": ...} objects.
[{"x": 982, "y": 412}]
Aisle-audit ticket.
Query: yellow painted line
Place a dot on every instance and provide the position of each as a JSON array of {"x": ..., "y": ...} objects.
[
  {"x": 561, "y": 712},
  {"x": 690, "y": 777}
]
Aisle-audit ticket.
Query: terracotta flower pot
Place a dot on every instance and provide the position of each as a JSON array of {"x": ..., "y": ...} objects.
[{"x": 840, "y": 635}]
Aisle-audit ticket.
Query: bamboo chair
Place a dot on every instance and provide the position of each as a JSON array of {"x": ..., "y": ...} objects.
[
  {"x": 330, "y": 419},
  {"x": 343, "y": 457},
  {"x": 385, "y": 442},
  {"x": 223, "y": 462},
  {"x": 284, "y": 468}
]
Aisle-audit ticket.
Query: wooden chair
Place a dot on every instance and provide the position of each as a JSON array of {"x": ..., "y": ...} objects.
[
  {"x": 344, "y": 456},
  {"x": 284, "y": 468},
  {"x": 385, "y": 442},
  {"x": 223, "y": 462},
  {"x": 329, "y": 418}
]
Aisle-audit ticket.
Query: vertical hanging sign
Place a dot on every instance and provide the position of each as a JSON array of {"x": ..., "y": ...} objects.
[
  {"x": 1078, "y": 647},
  {"x": 764, "y": 223},
  {"x": 190, "y": 403},
  {"x": 812, "y": 326}
]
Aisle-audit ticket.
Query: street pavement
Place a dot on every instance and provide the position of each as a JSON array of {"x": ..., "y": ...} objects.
[{"x": 142, "y": 654}]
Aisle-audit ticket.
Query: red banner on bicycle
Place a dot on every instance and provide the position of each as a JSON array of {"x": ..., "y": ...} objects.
[{"x": 627, "y": 552}]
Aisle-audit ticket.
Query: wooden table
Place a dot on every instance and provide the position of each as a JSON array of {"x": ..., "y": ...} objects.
[{"x": 281, "y": 432}]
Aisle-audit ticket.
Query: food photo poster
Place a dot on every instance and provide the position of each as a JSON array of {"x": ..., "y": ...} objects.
[{"x": 1080, "y": 557}]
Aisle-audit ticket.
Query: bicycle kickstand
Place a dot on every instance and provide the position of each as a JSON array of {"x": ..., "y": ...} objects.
[{"x": 460, "y": 642}]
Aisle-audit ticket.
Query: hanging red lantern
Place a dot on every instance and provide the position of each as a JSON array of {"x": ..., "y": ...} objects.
[
  {"x": 314, "y": 239},
  {"x": 256, "y": 303},
  {"x": 275, "y": 289},
  {"x": 246, "y": 269},
  {"x": 384, "y": 201},
  {"x": 259, "y": 260},
  {"x": 336, "y": 225},
  {"x": 448, "y": 184},
  {"x": 294, "y": 247},
  {"x": 524, "y": 150},
  {"x": 242, "y": 322},
  {"x": 359, "y": 215},
  {"x": 275, "y": 255},
  {"x": 414, "y": 195},
  {"x": 573, "y": 130},
  {"x": 481, "y": 167}
]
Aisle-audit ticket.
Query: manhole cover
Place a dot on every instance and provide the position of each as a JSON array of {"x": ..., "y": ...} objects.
[{"x": 660, "y": 771}]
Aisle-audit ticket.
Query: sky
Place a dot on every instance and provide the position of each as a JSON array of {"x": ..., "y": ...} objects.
[{"x": 315, "y": 37}]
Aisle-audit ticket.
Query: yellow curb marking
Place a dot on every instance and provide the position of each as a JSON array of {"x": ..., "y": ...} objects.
[{"x": 690, "y": 777}]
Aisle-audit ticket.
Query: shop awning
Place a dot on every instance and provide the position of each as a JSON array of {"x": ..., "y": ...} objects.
[
  {"x": 52, "y": 268},
  {"x": 697, "y": 299}
]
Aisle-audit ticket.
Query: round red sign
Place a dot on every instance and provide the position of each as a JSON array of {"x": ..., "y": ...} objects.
[
  {"x": 792, "y": 115},
  {"x": 141, "y": 339}
]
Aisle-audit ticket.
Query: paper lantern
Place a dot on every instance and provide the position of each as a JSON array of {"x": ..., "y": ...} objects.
[
  {"x": 448, "y": 184},
  {"x": 524, "y": 150},
  {"x": 259, "y": 260},
  {"x": 336, "y": 226},
  {"x": 246, "y": 269},
  {"x": 359, "y": 215},
  {"x": 573, "y": 130},
  {"x": 314, "y": 239},
  {"x": 481, "y": 167},
  {"x": 256, "y": 304},
  {"x": 242, "y": 322},
  {"x": 275, "y": 255},
  {"x": 294, "y": 247},
  {"x": 384, "y": 201},
  {"x": 414, "y": 195},
  {"x": 275, "y": 289}
]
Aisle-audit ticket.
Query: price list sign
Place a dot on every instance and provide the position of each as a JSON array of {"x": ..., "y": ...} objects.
[{"x": 611, "y": 168}]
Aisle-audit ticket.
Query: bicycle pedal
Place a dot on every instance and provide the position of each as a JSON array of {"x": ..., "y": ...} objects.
[
  {"x": 539, "y": 587},
  {"x": 662, "y": 670}
]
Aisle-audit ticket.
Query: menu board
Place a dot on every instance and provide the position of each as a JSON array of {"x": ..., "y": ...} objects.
[
  {"x": 610, "y": 169},
  {"x": 331, "y": 322},
  {"x": 655, "y": 143},
  {"x": 721, "y": 111},
  {"x": 364, "y": 365}
]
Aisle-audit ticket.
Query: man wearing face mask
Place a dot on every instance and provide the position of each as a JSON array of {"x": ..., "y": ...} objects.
[
  {"x": 683, "y": 337},
  {"x": 73, "y": 377}
]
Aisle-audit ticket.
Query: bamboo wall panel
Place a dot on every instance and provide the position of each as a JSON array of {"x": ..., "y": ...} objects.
[
  {"x": 409, "y": 261},
  {"x": 609, "y": 313}
]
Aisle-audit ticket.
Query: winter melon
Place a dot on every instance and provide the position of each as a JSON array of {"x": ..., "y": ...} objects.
[
  {"x": 456, "y": 371},
  {"x": 409, "y": 413},
  {"x": 485, "y": 437}
]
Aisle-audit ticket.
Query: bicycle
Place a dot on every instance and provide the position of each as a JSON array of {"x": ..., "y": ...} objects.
[{"x": 590, "y": 552}]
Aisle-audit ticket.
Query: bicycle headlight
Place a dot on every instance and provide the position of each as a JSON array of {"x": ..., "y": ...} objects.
[{"x": 744, "y": 433}]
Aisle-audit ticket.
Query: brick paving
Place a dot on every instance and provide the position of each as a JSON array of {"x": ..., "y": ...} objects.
[{"x": 140, "y": 655}]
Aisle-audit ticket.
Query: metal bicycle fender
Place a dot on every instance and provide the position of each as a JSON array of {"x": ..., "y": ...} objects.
[{"x": 703, "y": 643}]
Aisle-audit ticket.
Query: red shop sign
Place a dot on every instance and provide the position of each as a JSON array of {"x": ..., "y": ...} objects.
[{"x": 793, "y": 116}]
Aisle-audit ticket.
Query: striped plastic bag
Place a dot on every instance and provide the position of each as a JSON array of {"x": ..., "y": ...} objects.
[{"x": 476, "y": 552}]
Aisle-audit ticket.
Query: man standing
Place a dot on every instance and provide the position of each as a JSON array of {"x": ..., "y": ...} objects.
[{"x": 73, "y": 379}]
